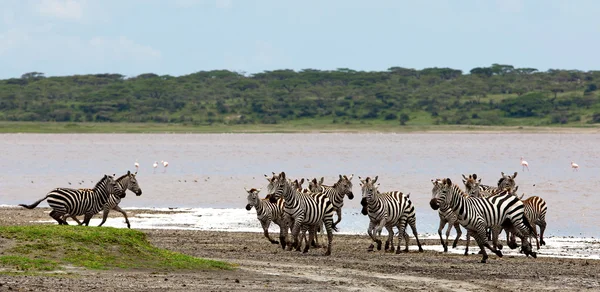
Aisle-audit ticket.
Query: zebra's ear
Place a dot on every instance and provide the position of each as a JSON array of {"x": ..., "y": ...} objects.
[
  {"x": 128, "y": 172},
  {"x": 282, "y": 175},
  {"x": 514, "y": 175},
  {"x": 502, "y": 173},
  {"x": 322, "y": 180},
  {"x": 375, "y": 180},
  {"x": 464, "y": 182},
  {"x": 301, "y": 181},
  {"x": 246, "y": 190},
  {"x": 448, "y": 181},
  {"x": 350, "y": 177},
  {"x": 465, "y": 177},
  {"x": 474, "y": 176},
  {"x": 258, "y": 191},
  {"x": 340, "y": 177},
  {"x": 479, "y": 181}
]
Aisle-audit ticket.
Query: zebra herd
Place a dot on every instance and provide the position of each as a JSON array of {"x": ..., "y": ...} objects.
[
  {"x": 104, "y": 196},
  {"x": 482, "y": 210}
]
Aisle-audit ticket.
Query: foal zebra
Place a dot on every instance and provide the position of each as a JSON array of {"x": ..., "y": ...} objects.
[
  {"x": 447, "y": 216},
  {"x": 126, "y": 182},
  {"x": 535, "y": 211},
  {"x": 388, "y": 210},
  {"x": 267, "y": 212},
  {"x": 477, "y": 214},
  {"x": 79, "y": 202},
  {"x": 305, "y": 209}
]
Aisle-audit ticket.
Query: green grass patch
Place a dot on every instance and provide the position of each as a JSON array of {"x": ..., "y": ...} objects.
[{"x": 48, "y": 247}]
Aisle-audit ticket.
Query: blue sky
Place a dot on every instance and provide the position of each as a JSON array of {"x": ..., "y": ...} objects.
[{"x": 178, "y": 37}]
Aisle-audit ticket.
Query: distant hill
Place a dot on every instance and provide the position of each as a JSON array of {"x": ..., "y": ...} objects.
[{"x": 495, "y": 95}]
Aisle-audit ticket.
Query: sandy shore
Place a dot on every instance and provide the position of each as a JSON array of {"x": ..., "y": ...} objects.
[{"x": 265, "y": 267}]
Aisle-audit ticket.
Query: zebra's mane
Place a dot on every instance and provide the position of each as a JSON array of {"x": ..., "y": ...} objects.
[
  {"x": 501, "y": 180},
  {"x": 122, "y": 177},
  {"x": 101, "y": 182}
]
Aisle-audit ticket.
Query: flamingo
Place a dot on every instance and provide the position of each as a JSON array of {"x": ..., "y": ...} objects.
[
  {"x": 155, "y": 165},
  {"x": 165, "y": 164},
  {"x": 137, "y": 166},
  {"x": 524, "y": 164},
  {"x": 574, "y": 166}
]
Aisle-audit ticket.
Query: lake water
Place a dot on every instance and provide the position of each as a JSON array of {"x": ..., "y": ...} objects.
[{"x": 208, "y": 172}]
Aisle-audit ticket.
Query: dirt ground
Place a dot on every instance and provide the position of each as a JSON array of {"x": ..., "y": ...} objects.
[{"x": 262, "y": 266}]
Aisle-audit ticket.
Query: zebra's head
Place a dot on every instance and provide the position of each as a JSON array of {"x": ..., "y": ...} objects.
[
  {"x": 277, "y": 184},
  {"x": 344, "y": 185},
  {"x": 472, "y": 185},
  {"x": 129, "y": 182},
  {"x": 507, "y": 181},
  {"x": 436, "y": 193},
  {"x": 253, "y": 199},
  {"x": 368, "y": 188},
  {"x": 297, "y": 184},
  {"x": 314, "y": 185}
]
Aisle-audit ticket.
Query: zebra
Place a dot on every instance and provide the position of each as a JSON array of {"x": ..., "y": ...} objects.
[
  {"x": 79, "y": 202},
  {"x": 505, "y": 182},
  {"x": 447, "y": 216},
  {"x": 125, "y": 182},
  {"x": 304, "y": 209},
  {"x": 535, "y": 211},
  {"x": 387, "y": 210},
  {"x": 476, "y": 214},
  {"x": 336, "y": 193},
  {"x": 267, "y": 212}
]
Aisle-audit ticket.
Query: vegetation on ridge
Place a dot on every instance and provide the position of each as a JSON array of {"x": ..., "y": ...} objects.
[{"x": 495, "y": 95}]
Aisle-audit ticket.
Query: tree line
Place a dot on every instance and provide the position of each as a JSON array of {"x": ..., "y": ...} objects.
[{"x": 494, "y": 95}]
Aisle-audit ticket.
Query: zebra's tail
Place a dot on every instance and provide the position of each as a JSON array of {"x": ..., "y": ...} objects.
[{"x": 34, "y": 204}]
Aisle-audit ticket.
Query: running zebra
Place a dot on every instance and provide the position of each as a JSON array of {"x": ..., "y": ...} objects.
[
  {"x": 267, "y": 212},
  {"x": 477, "y": 214},
  {"x": 125, "y": 182},
  {"x": 79, "y": 202},
  {"x": 535, "y": 211},
  {"x": 505, "y": 182},
  {"x": 447, "y": 216},
  {"x": 388, "y": 210},
  {"x": 336, "y": 193},
  {"x": 307, "y": 210}
]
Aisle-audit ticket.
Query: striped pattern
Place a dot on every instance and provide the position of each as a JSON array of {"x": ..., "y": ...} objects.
[
  {"x": 125, "y": 182},
  {"x": 80, "y": 202},
  {"x": 305, "y": 210},
  {"x": 535, "y": 211},
  {"x": 335, "y": 193},
  {"x": 477, "y": 214},
  {"x": 388, "y": 210},
  {"x": 267, "y": 212},
  {"x": 447, "y": 216}
]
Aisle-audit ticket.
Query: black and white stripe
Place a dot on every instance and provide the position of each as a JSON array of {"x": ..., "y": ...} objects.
[
  {"x": 388, "y": 210},
  {"x": 308, "y": 210},
  {"x": 477, "y": 214},
  {"x": 80, "y": 202},
  {"x": 267, "y": 212},
  {"x": 336, "y": 193},
  {"x": 447, "y": 216}
]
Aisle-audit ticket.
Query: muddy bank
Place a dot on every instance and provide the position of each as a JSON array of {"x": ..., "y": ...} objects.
[{"x": 265, "y": 267}]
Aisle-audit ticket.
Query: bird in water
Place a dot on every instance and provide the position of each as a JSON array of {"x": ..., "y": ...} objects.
[
  {"x": 574, "y": 166},
  {"x": 524, "y": 164}
]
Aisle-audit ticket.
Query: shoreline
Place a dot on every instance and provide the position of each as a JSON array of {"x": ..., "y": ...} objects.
[
  {"x": 155, "y": 128},
  {"x": 262, "y": 266}
]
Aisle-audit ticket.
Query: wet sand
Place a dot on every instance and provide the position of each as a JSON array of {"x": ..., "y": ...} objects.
[{"x": 262, "y": 266}]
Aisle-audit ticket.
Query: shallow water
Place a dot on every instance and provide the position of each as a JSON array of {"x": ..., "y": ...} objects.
[{"x": 211, "y": 170}]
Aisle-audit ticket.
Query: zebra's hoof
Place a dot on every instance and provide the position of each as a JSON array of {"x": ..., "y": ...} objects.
[
  {"x": 500, "y": 246},
  {"x": 327, "y": 253},
  {"x": 379, "y": 245},
  {"x": 445, "y": 249},
  {"x": 274, "y": 242},
  {"x": 542, "y": 242},
  {"x": 454, "y": 245},
  {"x": 498, "y": 253},
  {"x": 420, "y": 249},
  {"x": 466, "y": 252},
  {"x": 534, "y": 254},
  {"x": 370, "y": 248}
]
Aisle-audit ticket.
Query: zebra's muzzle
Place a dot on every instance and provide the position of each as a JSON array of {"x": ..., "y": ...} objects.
[
  {"x": 138, "y": 193},
  {"x": 248, "y": 207},
  {"x": 350, "y": 195},
  {"x": 363, "y": 201},
  {"x": 434, "y": 204}
]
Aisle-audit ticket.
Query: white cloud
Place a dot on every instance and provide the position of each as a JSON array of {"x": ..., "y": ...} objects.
[{"x": 62, "y": 9}]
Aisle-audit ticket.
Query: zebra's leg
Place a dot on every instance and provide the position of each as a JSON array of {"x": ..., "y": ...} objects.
[
  {"x": 370, "y": 232},
  {"x": 339, "y": 216},
  {"x": 105, "y": 212},
  {"x": 542, "y": 223},
  {"x": 296, "y": 232},
  {"x": 390, "y": 240},
  {"x": 328, "y": 220},
  {"x": 496, "y": 230},
  {"x": 87, "y": 218},
  {"x": 413, "y": 226},
  {"x": 458, "y": 233},
  {"x": 75, "y": 219},
  {"x": 440, "y": 229},
  {"x": 311, "y": 236},
  {"x": 468, "y": 242},
  {"x": 382, "y": 224},
  {"x": 402, "y": 234},
  {"x": 282, "y": 232},
  {"x": 58, "y": 217},
  {"x": 118, "y": 209},
  {"x": 265, "y": 226}
]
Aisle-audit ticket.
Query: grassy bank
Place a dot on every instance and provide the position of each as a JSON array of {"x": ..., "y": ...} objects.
[
  {"x": 52, "y": 247},
  {"x": 292, "y": 127}
]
